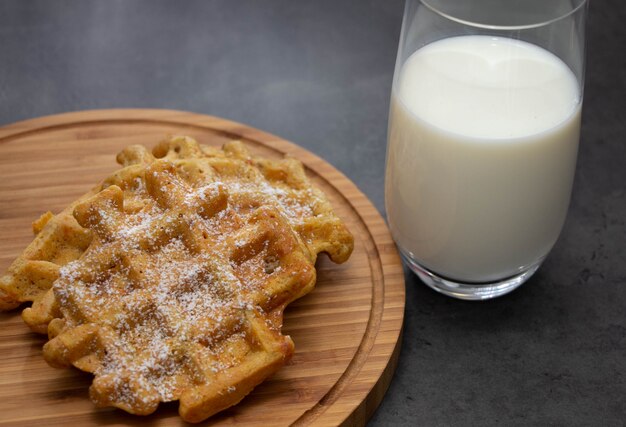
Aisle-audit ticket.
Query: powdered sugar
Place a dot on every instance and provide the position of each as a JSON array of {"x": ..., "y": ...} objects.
[{"x": 160, "y": 301}]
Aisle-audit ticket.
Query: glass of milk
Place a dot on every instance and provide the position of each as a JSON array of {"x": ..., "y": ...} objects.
[{"x": 483, "y": 135}]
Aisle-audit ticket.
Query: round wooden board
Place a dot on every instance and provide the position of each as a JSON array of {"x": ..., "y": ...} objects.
[{"x": 347, "y": 331}]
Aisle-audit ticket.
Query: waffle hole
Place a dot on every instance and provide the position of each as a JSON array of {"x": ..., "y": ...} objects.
[
  {"x": 159, "y": 151},
  {"x": 271, "y": 264}
]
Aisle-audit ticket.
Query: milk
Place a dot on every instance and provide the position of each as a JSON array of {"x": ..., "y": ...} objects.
[{"x": 483, "y": 137}]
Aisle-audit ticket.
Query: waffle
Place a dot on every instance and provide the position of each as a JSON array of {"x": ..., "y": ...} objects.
[{"x": 168, "y": 281}]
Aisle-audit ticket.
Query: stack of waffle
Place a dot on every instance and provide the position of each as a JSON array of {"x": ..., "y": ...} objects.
[{"x": 169, "y": 279}]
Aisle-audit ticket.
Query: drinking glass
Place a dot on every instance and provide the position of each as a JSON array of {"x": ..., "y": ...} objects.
[{"x": 483, "y": 134}]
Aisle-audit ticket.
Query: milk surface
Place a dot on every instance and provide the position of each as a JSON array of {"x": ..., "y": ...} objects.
[{"x": 483, "y": 137}]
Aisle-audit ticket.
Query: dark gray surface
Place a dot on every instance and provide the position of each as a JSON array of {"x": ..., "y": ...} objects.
[{"x": 319, "y": 73}]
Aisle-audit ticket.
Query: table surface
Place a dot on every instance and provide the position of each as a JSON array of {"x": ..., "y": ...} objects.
[{"x": 319, "y": 73}]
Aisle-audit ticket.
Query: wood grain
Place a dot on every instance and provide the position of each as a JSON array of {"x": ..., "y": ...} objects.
[{"x": 347, "y": 331}]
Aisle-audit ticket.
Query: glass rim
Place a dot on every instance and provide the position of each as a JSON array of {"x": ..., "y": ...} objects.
[{"x": 502, "y": 27}]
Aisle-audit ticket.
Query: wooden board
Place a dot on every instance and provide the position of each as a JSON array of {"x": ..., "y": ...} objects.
[{"x": 347, "y": 331}]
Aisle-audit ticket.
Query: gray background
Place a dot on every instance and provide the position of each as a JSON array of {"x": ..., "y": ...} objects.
[{"x": 319, "y": 73}]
